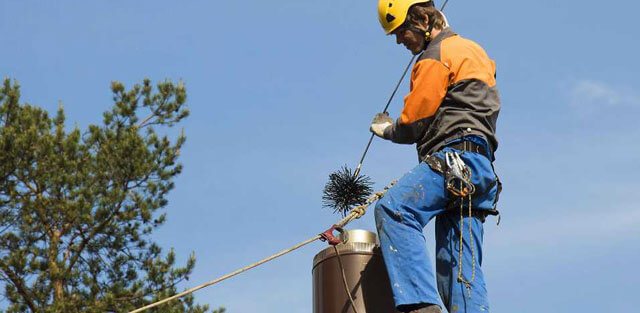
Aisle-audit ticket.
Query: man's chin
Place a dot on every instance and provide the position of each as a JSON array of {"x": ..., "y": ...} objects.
[{"x": 414, "y": 51}]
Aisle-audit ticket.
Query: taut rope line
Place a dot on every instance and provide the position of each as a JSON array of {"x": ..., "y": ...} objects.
[{"x": 355, "y": 213}]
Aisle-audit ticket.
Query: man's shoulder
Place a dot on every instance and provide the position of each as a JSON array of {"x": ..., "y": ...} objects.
[
  {"x": 433, "y": 50},
  {"x": 458, "y": 42}
]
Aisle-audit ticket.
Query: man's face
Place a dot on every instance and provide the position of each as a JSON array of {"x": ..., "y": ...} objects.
[{"x": 412, "y": 40}]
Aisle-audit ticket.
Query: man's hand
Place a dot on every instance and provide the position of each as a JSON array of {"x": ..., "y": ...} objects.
[{"x": 380, "y": 122}]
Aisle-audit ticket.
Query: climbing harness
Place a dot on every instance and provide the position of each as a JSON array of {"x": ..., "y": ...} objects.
[{"x": 355, "y": 213}]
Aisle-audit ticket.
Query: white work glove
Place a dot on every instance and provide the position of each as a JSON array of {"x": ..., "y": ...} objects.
[{"x": 380, "y": 123}]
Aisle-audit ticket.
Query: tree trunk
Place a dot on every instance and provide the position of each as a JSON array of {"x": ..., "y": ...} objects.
[{"x": 56, "y": 277}]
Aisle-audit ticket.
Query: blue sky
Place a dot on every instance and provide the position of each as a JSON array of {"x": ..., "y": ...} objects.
[{"x": 281, "y": 94}]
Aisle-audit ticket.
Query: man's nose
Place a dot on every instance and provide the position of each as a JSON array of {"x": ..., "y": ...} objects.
[{"x": 397, "y": 38}]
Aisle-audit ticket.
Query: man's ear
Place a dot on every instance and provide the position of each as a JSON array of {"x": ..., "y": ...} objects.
[
  {"x": 420, "y": 23},
  {"x": 424, "y": 23}
]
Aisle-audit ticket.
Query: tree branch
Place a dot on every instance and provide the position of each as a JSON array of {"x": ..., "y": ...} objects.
[
  {"x": 94, "y": 231},
  {"x": 19, "y": 284}
]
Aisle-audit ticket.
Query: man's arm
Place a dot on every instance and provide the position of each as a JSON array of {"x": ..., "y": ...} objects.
[{"x": 429, "y": 83}]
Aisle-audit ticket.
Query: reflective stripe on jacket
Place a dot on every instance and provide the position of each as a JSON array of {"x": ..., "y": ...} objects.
[{"x": 453, "y": 93}]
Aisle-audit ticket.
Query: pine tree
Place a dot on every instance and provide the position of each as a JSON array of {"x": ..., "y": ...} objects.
[{"x": 77, "y": 208}]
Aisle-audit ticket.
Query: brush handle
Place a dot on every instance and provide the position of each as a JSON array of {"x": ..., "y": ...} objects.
[
  {"x": 357, "y": 171},
  {"x": 386, "y": 107}
]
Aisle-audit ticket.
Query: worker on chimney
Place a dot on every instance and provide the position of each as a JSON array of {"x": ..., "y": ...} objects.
[{"x": 450, "y": 114}]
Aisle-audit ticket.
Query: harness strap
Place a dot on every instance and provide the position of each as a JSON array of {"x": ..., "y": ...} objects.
[
  {"x": 470, "y": 146},
  {"x": 440, "y": 165},
  {"x": 437, "y": 164}
]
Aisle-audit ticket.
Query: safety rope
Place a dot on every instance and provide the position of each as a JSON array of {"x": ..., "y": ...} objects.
[
  {"x": 344, "y": 280},
  {"x": 355, "y": 213},
  {"x": 473, "y": 255}
]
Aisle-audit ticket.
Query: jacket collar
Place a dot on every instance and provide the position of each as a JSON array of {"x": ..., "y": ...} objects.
[{"x": 444, "y": 34}]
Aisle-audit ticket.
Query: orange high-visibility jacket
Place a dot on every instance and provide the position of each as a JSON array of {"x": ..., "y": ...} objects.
[{"x": 453, "y": 94}]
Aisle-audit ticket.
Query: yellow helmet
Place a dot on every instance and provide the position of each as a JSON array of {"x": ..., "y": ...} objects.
[{"x": 392, "y": 13}]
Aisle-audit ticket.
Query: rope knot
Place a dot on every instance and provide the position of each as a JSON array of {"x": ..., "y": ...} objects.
[{"x": 359, "y": 211}]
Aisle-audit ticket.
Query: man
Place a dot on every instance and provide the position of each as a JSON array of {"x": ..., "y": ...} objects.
[{"x": 450, "y": 114}]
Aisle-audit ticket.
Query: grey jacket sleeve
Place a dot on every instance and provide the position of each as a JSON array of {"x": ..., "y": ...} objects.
[{"x": 403, "y": 134}]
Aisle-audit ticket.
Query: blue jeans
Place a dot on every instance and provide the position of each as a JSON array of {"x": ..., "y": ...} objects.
[{"x": 405, "y": 210}]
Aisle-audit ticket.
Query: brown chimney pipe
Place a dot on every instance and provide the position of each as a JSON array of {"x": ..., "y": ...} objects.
[{"x": 366, "y": 277}]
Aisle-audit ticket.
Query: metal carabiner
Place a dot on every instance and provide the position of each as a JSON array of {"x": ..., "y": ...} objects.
[
  {"x": 458, "y": 176},
  {"x": 328, "y": 236}
]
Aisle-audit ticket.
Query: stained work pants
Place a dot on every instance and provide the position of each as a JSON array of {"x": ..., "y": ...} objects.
[{"x": 419, "y": 196}]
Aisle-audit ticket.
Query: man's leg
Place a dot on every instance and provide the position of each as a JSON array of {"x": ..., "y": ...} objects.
[
  {"x": 400, "y": 217},
  {"x": 456, "y": 296}
]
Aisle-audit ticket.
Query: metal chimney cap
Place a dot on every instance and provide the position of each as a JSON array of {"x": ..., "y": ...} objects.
[
  {"x": 355, "y": 241},
  {"x": 359, "y": 235}
]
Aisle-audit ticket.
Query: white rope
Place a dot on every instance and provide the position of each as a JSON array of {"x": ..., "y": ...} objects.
[{"x": 355, "y": 213}]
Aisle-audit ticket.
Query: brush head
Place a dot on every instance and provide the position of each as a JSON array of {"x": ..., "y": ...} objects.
[{"x": 345, "y": 190}]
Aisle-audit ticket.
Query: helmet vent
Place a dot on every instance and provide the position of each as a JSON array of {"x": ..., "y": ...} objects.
[
  {"x": 390, "y": 4},
  {"x": 390, "y": 18}
]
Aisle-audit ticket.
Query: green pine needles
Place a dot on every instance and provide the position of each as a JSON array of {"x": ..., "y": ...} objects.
[{"x": 77, "y": 207}]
